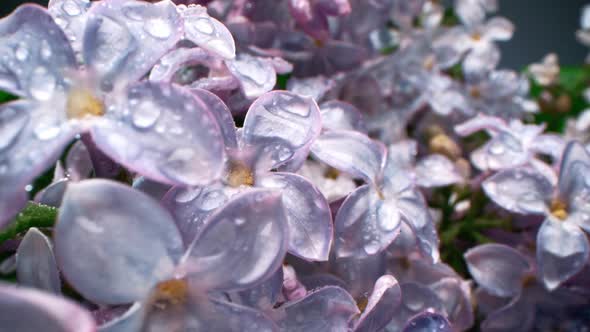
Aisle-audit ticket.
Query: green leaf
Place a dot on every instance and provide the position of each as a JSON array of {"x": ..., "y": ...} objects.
[
  {"x": 282, "y": 81},
  {"x": 6, "y": 97},
  {"x": 33, "y": 215}
]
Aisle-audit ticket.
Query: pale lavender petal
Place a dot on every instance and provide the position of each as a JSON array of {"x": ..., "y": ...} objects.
[
  {"x": 29, "y": 310},
  {"x": 574, "y": 163},
  {"x": 155, "y": 190},
  {"x": 308, "y": 215},
  {"x": 223, "y": 115},
  {"x": 292, "y": 289},
  {"x": 35, "y": 263},
  {"x": 501, "y": 152},
  {"x": 470, "y": 12},
  {"x": 123, "y": 39},
  {"x": 519, "y": 190},
  {"x": 436, "y": 171},
  {"x": 284, "y": 123},
  {"x": 365, "y": 224},
  {"x": 498, "y": 28},
  {"x": 264, "y": 296},
  {"x": 481, "y": 61},
  {"x": 256, "y": 75},
  {"x": 381, "y": 306},
  {"x": 497, "y": 268},
  {"x": 339, "y": 115},
  {"x": 207, "y": 32},
  {"x": 516, "y": 316},
  {"x": 233, "y": 317},
  {"x": 241, "y": 244},
  {"x": 402, "y": 155},
  {"x": 52, "y": 195},
  {"x": 351, "y": 152},
  {"x": 360, "y": 274},
  {"x": 428, "y": 322},
  {"x": 481, "y": 122},
  {"x": 70, "y": 15},
  {"x": 327, "y": 309},
  {"x": 129, "y": 321},
  {"x": 163, "y": 132},
  {"x": 314, "y": 87},
  {"x": 78, "y": 165},
  {"x": 96, "y": 259},
  {"x": 549, "y": 144},
  {"x": 36, "y": 54},
  {"x": 416, "y": 299},
  {"x": 562, "y": 251},
  {"x": 191, "y": 206},
  {"x": 456, "y": 297}
]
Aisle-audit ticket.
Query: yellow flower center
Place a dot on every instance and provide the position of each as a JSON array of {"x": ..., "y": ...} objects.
[
  {"x": 170, "y": 292},
  {"x": 239, "y": 174},
  {"x": 83, "y": 103},
  {"x": 476, "y": 36},
  {"x": 528, "y": 280},
  {"x": 331, "y": 173},
  {"x": 559, "y": 209},
  {"x": 443, "y": 144}
]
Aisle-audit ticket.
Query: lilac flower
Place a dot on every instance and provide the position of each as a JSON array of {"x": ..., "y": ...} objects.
[
  {"x": 137, "y": 124},
  {"x": 29, "y": 310},
  {"x": 278, "y": 131},
  {"x": 370, "y": 218},
  {"x": 562, "y": 246},
  {"x": 512, "y": 144},
  {"x": 242, "y": 245},
  {"x": 35, "y": 263}
]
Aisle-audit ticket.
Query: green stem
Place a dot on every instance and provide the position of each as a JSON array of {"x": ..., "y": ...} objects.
[{"x": 33, "y": 215}]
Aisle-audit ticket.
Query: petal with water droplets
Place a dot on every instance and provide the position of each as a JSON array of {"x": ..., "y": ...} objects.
[
  {"x": 29, "y": 310},
  {"x": 497, "y": 268},
  {"x": 308, "y": 215},
  {"x": 284, "y": 124},
  {"x": 456, "y": 297},
  {"x": 339, "y": 115},
  {"x": 381, "y": 306},
  {"x": 223, "y": 115},
  {"x": 256, "y": 75},
  {"x": 70, "y": 15},
  {"x": 98, "y": 261},
  {"x": 428, "y": 322},
  {"x": 207, "y": 32},
  {"x": 241, "y": 244},
  {"x": 130, "y": 320},
  {"x": 481, "y": 122},
  {"x": 163, "y": 132},
  {"x": 575, "y": 165},
  {"x": 264, "y": 296},
  {"x": 327, "y": 309},
  {"x": 562, "y": 251},
  {"x": 35, "y": 263},
  {"x": 518, "y": 315},
  {"x": 436, "y": 171},
  {"x": 416, "y": 214},
  {"x": 519, "y": 190}
]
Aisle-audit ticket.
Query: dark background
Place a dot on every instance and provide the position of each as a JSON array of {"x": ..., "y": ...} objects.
[{"x": 542, "y": 26}]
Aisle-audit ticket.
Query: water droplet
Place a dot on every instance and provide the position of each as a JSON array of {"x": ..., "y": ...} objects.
[
  {"x": 372, "y": 247},
  {"x": 71, "y": 8},
  {"x": 497, "y": 148},
  {"x": 204, "y": 25},
  {"x": 42, "y": 84},
  {"x": 21, "y": 52},
  {"x": 240, "y": 221},
  {"x": 45, "y": 50},
  {"x": 47, "y": 130},
  {"x": 146, "y": 114},
  {"x": 284, "y": 154},
  {"x": 28, "y": 188},
  {"x": 187, "y": 195},
  {"x": 158, "y": 28}
]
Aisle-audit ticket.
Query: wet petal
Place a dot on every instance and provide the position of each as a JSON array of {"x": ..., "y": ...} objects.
[
  {"x": 70, "y": 15},
  {"x": 29, "y": 310},
  {"x": 314, "y": 87},
  {"x": 264, "y": 296},
  {"x": 124, "y": 39},
  {"x": 339, "y": 115},
  {"x": 191, "y": 206},
  {"x": 382, "y": 304},
  {"x": 519, "y": 190},
  {"x": 327, "y": 309},
  {"x": 233, "y": 317},
  {"x": 130, "y": 321},
  {"x": 223, "y": 115},
  {"x": 516, "y": 316},
  {"x": 456, "y": 297},
  {"x": 155, "y": 190},
  {"x": 498, "y": 28},
  {"x": 481, "y": 60},
  {"x": 562, "y": 251},
  {"x": 575, "y": 162},
  {"x": 78, "y": 165},
  {"x": 428, "y": 322},
  {"x": 416, "y": 299},
  {"x": 416, "y": 214},
  {"x": 164, "y": 133},
  {"x": 503, "y": 151},
  {"x": 241, "y": 244},
  {"x": 351, "y": 152},
  {"x": 256, "y": 75},
  {"x": 36, "y": 54},
  {"x": 481, "y": 122},
  {"x": 308, "y": 215},
  {"x": 52, "y": 194},
  {"x": 35, "y": 263},
  {"x": 284, "y": 123},
  {"x": 497, "y": 268},
  {"x": 470, "y": 12},
  {"x": 365, "y": 224},
  {"x": 207, "y": 32},
  {"x": 88, "y": 241},
  {"x": 360, "y": 274},
  {"x": 436, "y": 171}
]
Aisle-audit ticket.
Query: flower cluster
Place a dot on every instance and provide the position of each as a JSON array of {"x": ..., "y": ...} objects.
[{"x": 288, "y": 165}]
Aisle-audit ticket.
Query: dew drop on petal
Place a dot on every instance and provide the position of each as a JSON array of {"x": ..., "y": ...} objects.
[
  {"x": 71, "y": 8},
  {"x": 204, "y": 25},
  {"x": 145, "y": 115},
  {"x": 158, "y": 28},
  {"x": 21, "y": 52},
  {"x": 372, "y": 247},
  {"x": 45, "y": 50},
  {"x": 240, "y": 221},
  {"x": 46, "y": 131},
  {"x": 42, "y": 84},
  {"x": 497, "y": 148},
  {"x": 187, "y": 195}
]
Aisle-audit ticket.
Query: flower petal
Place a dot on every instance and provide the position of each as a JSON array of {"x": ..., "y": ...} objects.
[
  {"x": 329, "y": 308},
  {"x": 124, "y": 39},
  {"x": 436, "y": 171},
  {"x": 575, "y": 162},
  {"x": 308, "y": 215},
  {"x": 101, "y": 263},
  {"x": 35, "y": 263},
  {"x": 351, "y": 152},
  {"x": 241, "y": 244},
  {"x": 78, "y": 165},
  {"x": 207, "y": 32},
  {"x": 365, "y": 224},
  {"x": 518, "y": 315},
  {"x": 339, "y": 115},
  {"x": 223, "y": 115},
  {"x": 70, "y": 15},
  {"x": 256, "y": 75},
  {"x": 479, "y": 122},
  {"x": 130, "y": 321},
  {"x": 497, "y": 268},
  {"x": 519, "y": 190},
  {"x": 284, "y": 123},
  {"x": 264, "y": 296},
  {"x": 562, "y": 251},
  {"x": 164, "y": 133},
  {"x": 428, "y": 322},
  {"x": 498, "y": 28},
  {"x": 30, "y": 310},
  {"x": 416, "y": 214},
  {"x": 36, "y": 54},
  {"x": 456, "y": 297},
  {"x": 382, "y": 304},
  {"x": 416, "y": 299}
]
